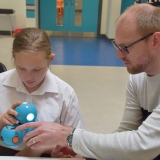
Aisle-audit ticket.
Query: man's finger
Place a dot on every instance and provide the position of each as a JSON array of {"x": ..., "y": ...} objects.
[{"x": 27, "y": 125}]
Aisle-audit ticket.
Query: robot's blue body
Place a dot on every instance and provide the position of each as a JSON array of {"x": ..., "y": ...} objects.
[{"x": 26, "y": 113}]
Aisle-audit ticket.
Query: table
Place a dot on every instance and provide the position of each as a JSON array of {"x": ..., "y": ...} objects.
[{"x": 37, "y": 158}]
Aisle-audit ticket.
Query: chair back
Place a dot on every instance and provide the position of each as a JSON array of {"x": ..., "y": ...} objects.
[{"x": 2, "y": 68}]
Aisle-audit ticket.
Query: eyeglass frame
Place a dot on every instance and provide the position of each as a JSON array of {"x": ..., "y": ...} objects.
[{"x": 124, "y": 48}]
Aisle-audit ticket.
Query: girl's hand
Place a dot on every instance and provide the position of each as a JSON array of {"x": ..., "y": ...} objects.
[
  {"x": 64, "y": 152},
  {"x": 27, "y": 152},
  {"x": 8, "y": 117}
]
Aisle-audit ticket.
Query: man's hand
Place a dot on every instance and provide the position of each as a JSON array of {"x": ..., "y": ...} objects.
[{"x": 45, "y": 134}]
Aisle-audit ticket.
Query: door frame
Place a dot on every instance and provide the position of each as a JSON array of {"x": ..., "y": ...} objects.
[{"x": 99, "y": 16}]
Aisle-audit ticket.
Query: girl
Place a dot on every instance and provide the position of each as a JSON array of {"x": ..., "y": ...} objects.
[{"x": 31, "y": 80}]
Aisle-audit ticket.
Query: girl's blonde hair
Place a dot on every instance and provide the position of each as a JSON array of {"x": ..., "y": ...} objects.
[{"x": 30, "y": 40}]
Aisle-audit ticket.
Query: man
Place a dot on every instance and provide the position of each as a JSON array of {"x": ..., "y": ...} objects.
[{"x": 137, "y": 40}]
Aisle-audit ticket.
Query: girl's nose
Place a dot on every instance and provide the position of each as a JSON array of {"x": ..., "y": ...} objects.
[{"x": 29, "y": 76}]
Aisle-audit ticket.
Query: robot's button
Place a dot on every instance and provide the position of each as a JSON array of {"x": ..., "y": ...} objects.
[{"x": 15, "y": 139}]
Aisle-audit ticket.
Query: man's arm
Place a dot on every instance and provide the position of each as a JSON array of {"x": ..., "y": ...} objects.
[
  {"x": 132, "y": 116},
  {"x": 141, "y": 144}
]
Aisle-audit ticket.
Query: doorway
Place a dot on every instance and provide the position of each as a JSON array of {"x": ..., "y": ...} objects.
[{"x": 77, "y": 18}]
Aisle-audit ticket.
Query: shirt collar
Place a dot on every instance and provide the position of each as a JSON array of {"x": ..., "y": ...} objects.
[{"x": 49, "y": 84}]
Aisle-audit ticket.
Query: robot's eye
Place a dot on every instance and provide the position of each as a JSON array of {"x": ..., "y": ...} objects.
[
  {"x": 30, "y": 116},
  {"x": 2, "y": 138}
]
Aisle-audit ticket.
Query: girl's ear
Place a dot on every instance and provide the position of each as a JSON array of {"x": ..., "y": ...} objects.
[{"x": 51, "y": 57}]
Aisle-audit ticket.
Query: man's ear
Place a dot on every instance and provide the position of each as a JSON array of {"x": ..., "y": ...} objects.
[
  {"x": 156, "y": 40},
  {"x": 51, "y": 57}
]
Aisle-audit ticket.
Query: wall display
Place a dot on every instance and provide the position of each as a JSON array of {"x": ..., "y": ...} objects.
[
  {"x": 154, "y": 2},
  {"x": 137, "y": 1}
]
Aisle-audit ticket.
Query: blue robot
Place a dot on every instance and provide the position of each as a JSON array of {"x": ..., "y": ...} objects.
[
  {"x": 10, "y": 136},
  {"x": 26, "y": 113}
]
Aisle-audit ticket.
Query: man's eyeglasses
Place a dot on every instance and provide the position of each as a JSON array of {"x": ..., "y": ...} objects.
[{"x": 124, "y": 49}]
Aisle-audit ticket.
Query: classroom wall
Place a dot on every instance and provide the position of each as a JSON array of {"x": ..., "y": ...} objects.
[
  {"x": 31, "y": 11},
  {"x": 104, "y": 17},
  {"x": 125, "y": 4},
  {"x": 18, "y": 18},
  {"x": 111, "y": 9},
  {"x": 113, "y": 12}
]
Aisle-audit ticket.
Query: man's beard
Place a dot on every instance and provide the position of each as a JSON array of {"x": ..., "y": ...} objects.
[
  {"x": 135, "y": 70},
  {"x": 142, "y": 67}
]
